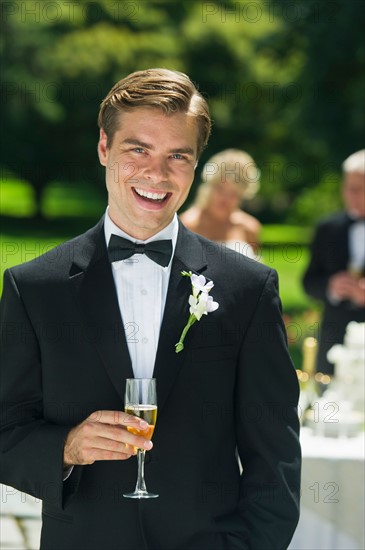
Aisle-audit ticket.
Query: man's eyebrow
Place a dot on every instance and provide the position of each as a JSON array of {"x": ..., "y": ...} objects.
[
  {"x": 186, "y": 150},
  {"x": 138, "y": 143}
]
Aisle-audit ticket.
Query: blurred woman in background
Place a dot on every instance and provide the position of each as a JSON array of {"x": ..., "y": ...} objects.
[{"x": 228, "y": 178}]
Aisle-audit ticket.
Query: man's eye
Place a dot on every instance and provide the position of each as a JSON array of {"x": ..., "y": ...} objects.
[
  {"x": 177, "y": 156},
  {"x": 138, "y": 149}
]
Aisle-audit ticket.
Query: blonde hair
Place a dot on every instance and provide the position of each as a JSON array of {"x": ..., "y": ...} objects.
[
  {"x": 355, "y": 163},
  {"x": 231, "y": 165},
  {"x": 170, "y": 91}
]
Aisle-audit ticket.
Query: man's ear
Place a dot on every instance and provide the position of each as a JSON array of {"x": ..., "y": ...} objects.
[{"x": 103, "y": 150}]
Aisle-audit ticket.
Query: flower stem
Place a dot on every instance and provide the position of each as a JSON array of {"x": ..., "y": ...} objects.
[{"x": 180, "y": 345}]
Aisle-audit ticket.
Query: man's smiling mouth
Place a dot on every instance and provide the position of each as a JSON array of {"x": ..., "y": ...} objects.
[{"x": 153, "y": 197}]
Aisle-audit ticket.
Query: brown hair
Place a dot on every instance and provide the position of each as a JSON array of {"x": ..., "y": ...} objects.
[{"x": 170, "y": 91}]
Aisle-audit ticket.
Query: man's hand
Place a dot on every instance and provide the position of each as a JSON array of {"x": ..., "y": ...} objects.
[
  {"x": 344, "y": 286},
  {"x": 358, "y": 292},
  {"x": 104, "y": 436}
]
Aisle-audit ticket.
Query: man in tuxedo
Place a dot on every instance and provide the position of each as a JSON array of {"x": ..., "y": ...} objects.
[
  {"x": 336, "y": 272},
  {"x": 111, "y": 304}
]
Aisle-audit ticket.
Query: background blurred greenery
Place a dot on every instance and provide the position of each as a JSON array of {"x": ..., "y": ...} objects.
[{"x": 284, "y": 80}]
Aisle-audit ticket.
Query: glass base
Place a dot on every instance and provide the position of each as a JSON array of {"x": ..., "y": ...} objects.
[{"x": 140, "y": 494}]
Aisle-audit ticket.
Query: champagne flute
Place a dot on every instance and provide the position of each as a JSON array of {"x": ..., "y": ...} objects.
[{"x": 141, "y": 401}]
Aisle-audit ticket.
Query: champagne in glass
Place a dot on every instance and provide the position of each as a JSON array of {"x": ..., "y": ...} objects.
[
  {"x": 141, "y": 401},
  {"x": 148, "y": 413}
]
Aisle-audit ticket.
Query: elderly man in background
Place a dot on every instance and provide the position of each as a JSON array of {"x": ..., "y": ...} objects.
[{"x": 335, "y": 274}]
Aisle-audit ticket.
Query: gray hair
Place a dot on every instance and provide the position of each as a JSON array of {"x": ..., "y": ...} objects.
[{"x": 355, "y": 163}]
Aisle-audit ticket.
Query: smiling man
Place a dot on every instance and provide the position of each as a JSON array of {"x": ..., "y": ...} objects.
[
  {"x": 149, "y": 165},
  {"x": 118, "y": 301}
]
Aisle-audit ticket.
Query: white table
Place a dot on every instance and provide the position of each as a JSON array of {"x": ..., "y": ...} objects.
[{"x": 332, "y": 501}]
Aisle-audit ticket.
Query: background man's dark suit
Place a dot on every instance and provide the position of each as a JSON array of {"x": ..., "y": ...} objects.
[
  {"x": 330, "y": 255},
  {"x": 65, "y": 356}
]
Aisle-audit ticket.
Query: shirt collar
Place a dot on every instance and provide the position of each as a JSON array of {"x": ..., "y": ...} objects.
[{"x": 168, "y": 232}]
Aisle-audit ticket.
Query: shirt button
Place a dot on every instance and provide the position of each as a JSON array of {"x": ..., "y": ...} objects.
[
  {"x": 143, "y": 292},
  {"x": 144, "y": 340}
]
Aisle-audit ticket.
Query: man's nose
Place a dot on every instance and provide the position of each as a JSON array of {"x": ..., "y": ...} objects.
[{"x": 156, "y": 170}]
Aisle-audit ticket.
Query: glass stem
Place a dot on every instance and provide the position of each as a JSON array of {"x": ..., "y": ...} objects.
[{"x": 141, "y": 486}]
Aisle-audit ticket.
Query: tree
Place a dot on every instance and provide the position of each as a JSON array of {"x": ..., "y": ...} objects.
[
  {"x": 284, "y": 81},
  {"x": 59, "y": 59}
]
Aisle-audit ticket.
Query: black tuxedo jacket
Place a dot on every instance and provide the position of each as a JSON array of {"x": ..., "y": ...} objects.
[
  {"x": 232, "y": 390},
  {"x": 330, "y": 255}
]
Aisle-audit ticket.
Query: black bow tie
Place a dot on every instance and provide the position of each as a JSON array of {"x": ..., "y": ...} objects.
[
  {"x": 121, "y": 249},
  {"x": 351, "y": 220}
]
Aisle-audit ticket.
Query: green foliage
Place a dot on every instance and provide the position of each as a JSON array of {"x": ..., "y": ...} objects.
[
  {"x": 315, "y": 203},
  {"x": 60, "y": 200},
  {"x": 17, "y": 198},
  {"x": 284, "y": 81}
]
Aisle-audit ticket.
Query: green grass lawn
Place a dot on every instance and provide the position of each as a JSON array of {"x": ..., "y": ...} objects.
[
  {"x": 290, "y": 262},
  {"x": 17, "y": 250},
  {"x": 283, "y": 234}
]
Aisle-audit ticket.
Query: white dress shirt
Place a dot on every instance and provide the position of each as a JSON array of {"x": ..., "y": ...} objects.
[
  {"x": 356, "y": 262},
  {"x": 357, "y": 246},
  {"x": 141, "y": 286}
]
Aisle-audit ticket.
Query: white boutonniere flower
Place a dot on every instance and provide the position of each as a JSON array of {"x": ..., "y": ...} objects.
[{"x": 199, "y": 301}]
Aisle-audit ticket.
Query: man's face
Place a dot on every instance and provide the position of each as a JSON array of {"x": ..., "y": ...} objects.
[
  {"x": 149, "y": 168},
  {"x": 353, "y": 193}
]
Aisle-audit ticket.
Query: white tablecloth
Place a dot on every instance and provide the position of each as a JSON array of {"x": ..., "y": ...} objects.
[{"x": 332, "y": 501}]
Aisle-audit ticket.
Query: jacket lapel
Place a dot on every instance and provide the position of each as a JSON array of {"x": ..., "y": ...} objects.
[
  {"x": 189, "y": 256},
  {"x": 343, "y": 244},
  {"x": 92, "y": 281}
]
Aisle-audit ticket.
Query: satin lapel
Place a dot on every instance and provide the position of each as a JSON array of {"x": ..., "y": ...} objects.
[
  {"x": 340, "y": 243},
  {"x": 189, "y": 255},
  {"x": 93, "y": 285}
]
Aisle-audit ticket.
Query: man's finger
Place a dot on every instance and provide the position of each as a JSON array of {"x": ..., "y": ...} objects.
[
  {"x": 112, "y": 437},
  {"x": 117, "y": 417}
]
